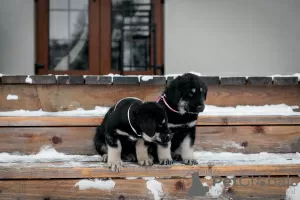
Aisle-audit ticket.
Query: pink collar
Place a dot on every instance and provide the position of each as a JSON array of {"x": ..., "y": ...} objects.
[{"x": 164, "y": 100}]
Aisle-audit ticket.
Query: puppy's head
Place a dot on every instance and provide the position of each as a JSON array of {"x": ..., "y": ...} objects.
[
  {"x": 153, "y": 123},
  {"x": 187, "y": 93}
]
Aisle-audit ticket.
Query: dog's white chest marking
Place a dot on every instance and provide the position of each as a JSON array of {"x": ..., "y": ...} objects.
[
  {"x": 189, "y": 124},
  {"x": 120, "y": 132}
]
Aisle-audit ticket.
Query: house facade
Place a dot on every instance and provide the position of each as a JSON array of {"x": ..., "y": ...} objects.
[{"x": 212, "y": 37}]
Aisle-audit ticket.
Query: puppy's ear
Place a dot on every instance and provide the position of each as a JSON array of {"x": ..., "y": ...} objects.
[{"x": 148, "y": 126}]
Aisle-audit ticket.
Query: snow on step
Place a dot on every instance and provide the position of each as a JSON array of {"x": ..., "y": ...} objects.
[
  {"x": 210, "y": 110},
  {"x": 95, "y": 184},
  {"x": 49, "y": 154},
  {"x": 12, "y": 97}
]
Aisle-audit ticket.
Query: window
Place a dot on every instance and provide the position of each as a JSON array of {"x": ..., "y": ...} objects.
[{"x": 99, "y": 36}]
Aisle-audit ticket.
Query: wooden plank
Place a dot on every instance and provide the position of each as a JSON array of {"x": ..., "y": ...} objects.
[
  {"x": 79, "y": 140},
  {"x": 137, "y": 189},
  {"x": 36, "y": 121},
  {"x": 64, "y": 97},
  {"x": 100, "y": 170}
]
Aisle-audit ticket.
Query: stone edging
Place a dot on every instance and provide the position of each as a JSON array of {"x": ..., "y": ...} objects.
[{"x": 139, "y": 80}]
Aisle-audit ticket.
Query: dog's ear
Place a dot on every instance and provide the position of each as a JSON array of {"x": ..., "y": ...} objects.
[{"x": 148, "y": 126}]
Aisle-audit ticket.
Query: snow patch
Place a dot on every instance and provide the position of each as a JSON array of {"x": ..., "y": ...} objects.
[
  {"x": 112, "y": 76},
  {"x": 95, "y": 184},
  {"x": 232, "y": 144},
  {"x": 131, "y": 178},
  {"x": 279, "y": 109},
  {"x": 79, "y": 112},
  {"x": 263, "y": 158},
  {"x": 147, "y": 78},
  {"x": 293, "y": 192},
  {"x": 46, "y": 154},
  {"x": 156, "y": 189},
  {"x": 12, "y": 97},
  {"x": 278, "y": 75},
  {"x": 28, "y": 79},
  {"x": 217, "y": 190}
]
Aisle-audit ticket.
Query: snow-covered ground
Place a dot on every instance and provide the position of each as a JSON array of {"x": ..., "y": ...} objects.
[{"x": 279, "y": 109}]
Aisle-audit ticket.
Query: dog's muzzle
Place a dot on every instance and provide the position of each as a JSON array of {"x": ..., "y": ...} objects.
[{"x": 200, "y": 108}]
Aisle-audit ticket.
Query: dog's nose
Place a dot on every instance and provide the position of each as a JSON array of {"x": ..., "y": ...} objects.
[
  {"x": 200, "y": 108},
  {"x": 165, "y": 138}
]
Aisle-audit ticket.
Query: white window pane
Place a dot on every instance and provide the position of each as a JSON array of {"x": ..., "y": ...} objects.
[
  {"x": 79, "y": 4},
  {"x": 58, "y": 25},
  {"x": 58, "y": 4}
]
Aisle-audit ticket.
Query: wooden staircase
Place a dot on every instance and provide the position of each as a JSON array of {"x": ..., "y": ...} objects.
[{"x": 72, "y": 135}]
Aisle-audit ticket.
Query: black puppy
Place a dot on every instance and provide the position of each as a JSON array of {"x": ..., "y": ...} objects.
[
  {"x": 184, "y": 98},
  {"x": 128, "y": 128}
]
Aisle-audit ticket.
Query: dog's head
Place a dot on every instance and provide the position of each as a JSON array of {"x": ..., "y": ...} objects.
[
  {"x": 153, "y": 123},
  {"x": 187, "y": 93}
]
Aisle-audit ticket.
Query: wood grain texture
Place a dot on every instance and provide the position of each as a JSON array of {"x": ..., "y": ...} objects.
[
  {"x": 36, "y": 121},
  {"x": 70, "y": 97},
  {"x": 100, "y": 170},
  {"x": 137, "y": 189},
  {"x": 79, "y": 140}
]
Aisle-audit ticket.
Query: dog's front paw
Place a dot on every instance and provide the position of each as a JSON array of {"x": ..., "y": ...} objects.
[
  {"x": 104, "y": 158},
  {"x": 168, "y": 161},
  {"x": 190, "y": 162},
  {"x": 114, "y": 165},
  {"x": 146, "y": 162}
]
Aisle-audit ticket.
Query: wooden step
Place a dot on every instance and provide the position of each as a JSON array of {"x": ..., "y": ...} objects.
[
  {"x": 204, "y": 120},
  {"x": 79, "y": 140},
  {"x": 69, "y": 97},
  {"x": 177, "y": 188},
  {"x": 73, "y": 170}
]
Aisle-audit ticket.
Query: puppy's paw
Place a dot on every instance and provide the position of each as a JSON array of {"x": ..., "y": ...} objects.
[
  {"x": 190, "y": 162},
  {"x": 104, "y": 158},
  {"x": 146, "y": 162},
  {"x": 168, "y": 161},
  {"x": 115, "y": 165},
  {"x": 129, "y": 158}
]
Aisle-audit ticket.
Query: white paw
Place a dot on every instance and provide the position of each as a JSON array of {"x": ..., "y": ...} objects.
[
  {"x": 114, "y": 165},
  {"x": 146, "y": 162}
]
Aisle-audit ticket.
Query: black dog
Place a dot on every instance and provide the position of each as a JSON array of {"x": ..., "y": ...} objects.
[
  {"x": 183, "y": 99},
  {"x": 128, "y": 128}
]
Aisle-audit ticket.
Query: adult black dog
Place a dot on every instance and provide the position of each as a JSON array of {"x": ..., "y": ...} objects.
[
  {"x": 128, "y": 128},
  {"x": 183, "y": 99}
]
